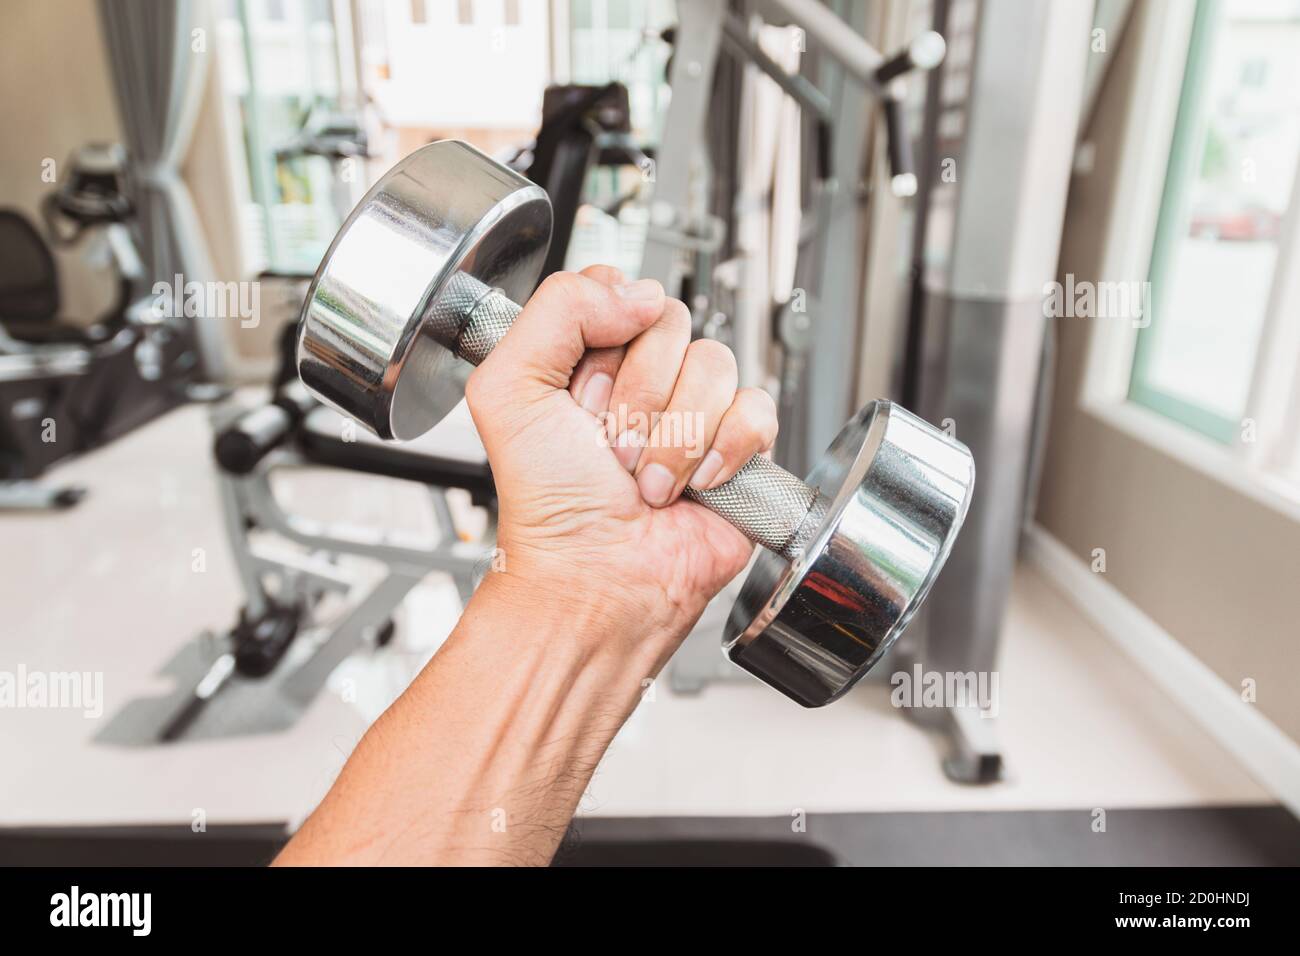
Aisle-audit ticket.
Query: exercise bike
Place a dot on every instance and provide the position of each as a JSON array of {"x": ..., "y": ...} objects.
[
  {"x": 306, "y": 605},
  {"x": 65, "y": 388}
]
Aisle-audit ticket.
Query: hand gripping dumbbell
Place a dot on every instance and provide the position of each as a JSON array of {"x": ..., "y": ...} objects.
[{"x": 422, "y": 282}]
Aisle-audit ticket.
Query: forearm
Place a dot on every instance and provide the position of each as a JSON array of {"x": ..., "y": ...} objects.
[{"x": 483, "y": 759}]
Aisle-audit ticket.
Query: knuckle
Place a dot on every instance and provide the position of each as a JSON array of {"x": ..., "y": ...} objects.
[
  {"x": 762, "y": 413},
  {"x": 741, "y": 439},
  {"x": 564, "y": 287},
  {"x": 676, "y": 318},
  {"x": 753, "y": 425},
  {"x": 763, "y": 433},
  {"x": 752, "y": 430},
  {"x": 603, "y": 273},
  {"x": 712, "y": 358},
  {"x": 761, "y": 400}
]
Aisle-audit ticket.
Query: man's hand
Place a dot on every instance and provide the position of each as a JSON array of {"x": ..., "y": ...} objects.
[
  {"x": 596, "y": 411},
  {"x": 485, "y": 756}
]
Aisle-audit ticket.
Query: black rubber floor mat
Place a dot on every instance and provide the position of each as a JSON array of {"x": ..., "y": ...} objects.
[{"x": 1182, "y": 836}]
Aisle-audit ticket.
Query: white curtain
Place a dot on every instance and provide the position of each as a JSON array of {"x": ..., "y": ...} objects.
[{"x": 158, "y": 56}]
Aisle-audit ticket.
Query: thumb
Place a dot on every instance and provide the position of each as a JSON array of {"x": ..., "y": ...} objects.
[{"x": 567, "y": 315}]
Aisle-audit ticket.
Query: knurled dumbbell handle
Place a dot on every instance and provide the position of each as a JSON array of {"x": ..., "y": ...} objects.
[{"x": 767, "y": 504}]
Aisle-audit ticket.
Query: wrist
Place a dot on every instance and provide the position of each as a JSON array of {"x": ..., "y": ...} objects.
[
  {"x": 594, "y": 611},
  {"x": 569, "y": 657},
  {"x": 524, "y": 698}
]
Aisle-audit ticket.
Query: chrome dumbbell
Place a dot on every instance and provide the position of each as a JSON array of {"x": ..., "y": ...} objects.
[{"x": 422, "y": 282}]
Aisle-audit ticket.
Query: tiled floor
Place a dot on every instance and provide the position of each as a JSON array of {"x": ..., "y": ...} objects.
[{"x": 111, "y": 586}]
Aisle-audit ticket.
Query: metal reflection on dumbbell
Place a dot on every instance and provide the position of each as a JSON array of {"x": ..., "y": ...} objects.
[{"x": 422, "y": 282}]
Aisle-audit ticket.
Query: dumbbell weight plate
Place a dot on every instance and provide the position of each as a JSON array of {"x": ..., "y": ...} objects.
[
  {"x": 363, "y": 345},
  {"x": 898, "y": 491}
]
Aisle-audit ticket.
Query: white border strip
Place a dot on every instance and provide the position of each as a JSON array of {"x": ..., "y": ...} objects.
[{"x": 1270, "y": 756}]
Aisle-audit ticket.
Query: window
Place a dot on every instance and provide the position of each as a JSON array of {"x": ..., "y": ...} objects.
[
  {"x": 616, "y": 40},
  {"x": 280, "y": 73},
  {"x": 1220, "y": 259},
  {"x": 468, "y": 74}
]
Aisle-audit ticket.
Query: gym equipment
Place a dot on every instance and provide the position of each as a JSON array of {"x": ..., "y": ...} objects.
[
  {"x": 583, "y": 127},
  {"x": 842, "y": 75},
  {"x": 975, "y": 332},
  {"x": 420, "y": 284},
  {"x": 313, "y": 593},
  {"x": 841, "y": 81},
  {"x": 66, "y": 388},
  {"x": 337, "y": 137},
  {"x": 95, "y": 196},
  {"x": 34, "y": 391}
]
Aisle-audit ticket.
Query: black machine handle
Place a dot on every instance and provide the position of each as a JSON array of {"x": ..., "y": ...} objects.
[
  {"x": 902, "y": 167},
  {"x": 240, "y": 446},
  {"x": 925, "y": 52}
]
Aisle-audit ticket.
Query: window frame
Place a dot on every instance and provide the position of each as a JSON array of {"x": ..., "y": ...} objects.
[
  {"x": 1163, "y": 34},
  {"x": 1180, "y": 171}
]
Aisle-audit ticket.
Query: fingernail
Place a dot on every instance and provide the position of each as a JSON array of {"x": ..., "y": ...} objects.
[
  {"x": 656, "y": 483},
  {"x": 595, "y": 394},
  {"x": 627, "y": 449},
  {"x": 642, "y": 290},
  {"x": 707, "y": 471}
]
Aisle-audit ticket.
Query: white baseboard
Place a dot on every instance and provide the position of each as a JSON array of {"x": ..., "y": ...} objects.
[{"x": 1270, "y": 756}]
